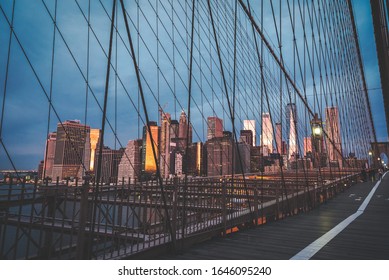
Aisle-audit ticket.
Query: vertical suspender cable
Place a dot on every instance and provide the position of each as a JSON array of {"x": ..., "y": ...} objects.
[{"x": 101, "y": 144}]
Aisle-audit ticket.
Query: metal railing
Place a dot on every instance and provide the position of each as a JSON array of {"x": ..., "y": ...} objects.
[{"x": 55, "y": 221}]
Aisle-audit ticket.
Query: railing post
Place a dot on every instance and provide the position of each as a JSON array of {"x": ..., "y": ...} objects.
[
  {"x": 224, "y": 206},
  {"x": 277, "y": 202},
  {"x": 45, "y": 251},
  {"x": 82, "y": 247},
  {"x": 174, "y": 210},
  {"x": 256, "y": 202}
]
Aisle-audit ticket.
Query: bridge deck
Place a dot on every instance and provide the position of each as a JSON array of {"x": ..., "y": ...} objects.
[{"x": 364, "y": 238}]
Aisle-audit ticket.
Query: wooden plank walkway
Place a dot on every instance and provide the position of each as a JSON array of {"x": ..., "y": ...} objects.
[{"x": 365, "y": 238}]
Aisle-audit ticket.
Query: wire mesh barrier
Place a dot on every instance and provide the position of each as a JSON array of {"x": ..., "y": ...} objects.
[{"x": 55, "y": 222}]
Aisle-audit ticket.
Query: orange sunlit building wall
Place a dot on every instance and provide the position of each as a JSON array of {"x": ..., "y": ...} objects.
[
  {"x": 94, "y": 139},
  {"x": 148, "y": 160}
]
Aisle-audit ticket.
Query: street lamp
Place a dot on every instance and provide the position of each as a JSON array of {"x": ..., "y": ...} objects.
[
  {"x": 317, "y": 131},
  {"x": 370, "y": 160},
  {"x": 317, "y": 135}
]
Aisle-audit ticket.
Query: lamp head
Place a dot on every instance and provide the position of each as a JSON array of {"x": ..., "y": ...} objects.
[{"x": 317, "y": 131}]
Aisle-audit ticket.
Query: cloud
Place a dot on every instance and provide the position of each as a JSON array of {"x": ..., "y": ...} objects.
[{"x": 27, "y": 106}]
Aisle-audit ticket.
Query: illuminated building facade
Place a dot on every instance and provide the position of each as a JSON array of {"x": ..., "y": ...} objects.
[
  {"x": 267, "y": 133},
  {"x": 94, "y": 141},
  {"x": 149, "y": 166},
  {"x": 250, "y": 125}
]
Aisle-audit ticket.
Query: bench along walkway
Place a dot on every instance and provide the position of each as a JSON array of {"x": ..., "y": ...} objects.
[{"x": 353, "y": 225}]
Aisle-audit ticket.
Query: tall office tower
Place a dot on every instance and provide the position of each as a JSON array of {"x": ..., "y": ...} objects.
[
  {"x": 243, "y": 165},
  {"x": 250, "y": 125},
  {"x": 174, "y": 128},
  {"x": 131, "y": 162},
  {"x": 48, "y": 161},
  {"x": 334, "y": 149},
  {"x": 164, "y": 150},
  {"x": 149, "y": 166},
  {"x": 94, "y": 144},
  {"x": 183, "y": 131},
  {"x": 40, "y": 169},
  {"x": 183, "y": 127},
  {"x": 291, "y": 129},
  {"x": 219, "y": 155},
  {"x": 279, "y": 138},
  {"x": 110, "y": 160},
  {"x": 246, "y": 136},
  {"x": 195, "y": 164},
  {"x": 178, "y": 163},
  {"x": 71, "y": 156},
  {"x": 267, "y": 132},
  {"x": 215, "y": 127},
  {"x": 307, "y": 145}
]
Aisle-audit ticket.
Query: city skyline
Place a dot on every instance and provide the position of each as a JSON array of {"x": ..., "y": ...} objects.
[{"x": 213, "y": 157}]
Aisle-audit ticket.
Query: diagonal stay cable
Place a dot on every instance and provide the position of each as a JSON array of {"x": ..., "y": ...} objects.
[{"x": 173, "y": 236}]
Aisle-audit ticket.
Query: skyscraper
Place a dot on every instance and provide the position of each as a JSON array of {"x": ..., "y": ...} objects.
[
  {"x": 70, "y": 159},
  {"x": 40, "y": 169},
  {"x": 215, "y": 127},
  {"x": 219, "y": 155},
  {"x": 94, "y": 141},
  {"x": 165, "y": 145},
  {"x": 291, "y": 129},
  {"x": 267, "y": 132},
  {"x": 307, "y": 145},
  {"x": 246, "y": 136},
  {"x": 195, "y": 163},
  {"x": 250, "y": 125},
  {"x": 183, "y": 128},
  {"x": 110, "y": 160},
  {"x": 174, "y": 128},
  {"x": 279, "y": 138},
  {"x": 131, "y": 162},
  {"x": 149, "y": 166},
  {"x": 242, "y": 165},
  {"x": 183, "y": 131},
  {"x": 334, "y": 149},
  {"x": 48, "y": 161}
]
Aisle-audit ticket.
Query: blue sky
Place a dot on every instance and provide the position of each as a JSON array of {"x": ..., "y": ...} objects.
[{"x": 26, "y": 107}]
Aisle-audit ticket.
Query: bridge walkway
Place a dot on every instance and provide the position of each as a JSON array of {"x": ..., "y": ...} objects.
[{"x": 366, "y": 237}]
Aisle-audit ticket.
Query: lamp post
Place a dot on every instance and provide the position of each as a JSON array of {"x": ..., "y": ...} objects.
[
  {"x": 370, "y": 158},
  {"x": 317, "y": 136}
]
